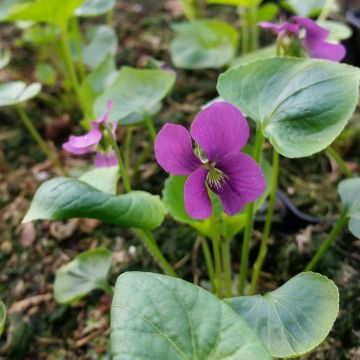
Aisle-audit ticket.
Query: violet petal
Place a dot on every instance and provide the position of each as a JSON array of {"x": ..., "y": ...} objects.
[
  {"x": 78, "y": 151},
  {"x": 278, "y": 28},
  {"x": 90, "y": 138},
  {"x": 105, "y": 160},
  {"x": 174, "y": 152},
  {"x": 246, "y": 182},
  {"x": 103, "y": 118},
  {"x": 220, "y": 129},
  {"x": 197, "y": 202}
]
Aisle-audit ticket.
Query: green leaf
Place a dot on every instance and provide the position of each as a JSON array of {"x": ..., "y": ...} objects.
[
  {"x": 5, "y": 57},
  {"x": 245, "y": 3},
  {"x": 5, "y": 7},
  {"x": 310, "y": 8},
  {"x": 293, "y": 319},
  {"x": 349, "y": 191},
  {"x": 203, "y": 44},
  {"x": 16, "y": 92},
  {"x": 87, "y": 272},
  {"x": 135, "y": 92},
  {"x": 94, "y": 7},
  {"x": 46, "y": 74},
  {"x": 57, "y": 12},
  {"x": 338, "y": 30},
  {"x": 160, "y": 317},
  {"x": 99, "y": 79},
  {"x": 302, "y": 105},
  {"x": 103, "y": 42},
  {"x": 102, "y": 179},
  {"x": 2, "y": 317},
  {"x": 263, "y": 53},
  {"x": 66, "y": 198},
  {"x": 40, "y": 34},
  {"x": 267, "y": 12}
]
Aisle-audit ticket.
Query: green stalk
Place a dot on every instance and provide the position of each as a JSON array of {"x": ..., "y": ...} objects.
[
  {"x": 254, "y": 40},
  {"x": 122, "y": 169},
  {"x": 267, "y": 227},
  {"x": 109, "y": 17},
  {"x": 149, "y": 241},
  {"x": 71, "y": 69},
  {"x": 37, "y": 137},
  {"x": 217, "y": 257},
  {"x": 106, "y": 287},
  {"x": 326, "y": 10},
  {"x": 340, "y": 162},
  {"x": 208, "y": 261},
  {"x": 149, "y": 123},
  {"x": 79, "y": 41},
  {"x": 225, "y": 251},
  {"x": 245, "y": 40},
  {"x": 145, "y": 235},
  {"x": 249, "y": 220},
  {"x": 127, "y": 147},
  {"x": 328, "y": 242}
]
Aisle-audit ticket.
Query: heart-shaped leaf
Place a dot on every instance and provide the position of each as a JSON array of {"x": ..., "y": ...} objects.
[
  {"x": 203, "y": 44},
  {"x": 160, "y": 317},
  {"x": 87, "y": 272},
  {"x": 67, "y": 198},
  {"x": 103, "y": 42},
  {"x": 349, "y": 191},
  {"x": 16, "y": 92},
  {"x": 135, "y": 92},
  {"x": 293, "y": 319},
  {"x": 94, "y": 7},
  {"x": 308, "y": 8},
  {"x": 45, "y": 73},
  {"x": 102, "y": 179},
  {"x": 2, "y": 317},
  {"x": 57, "y": 12},
  {"x": 301, "y": 105}
]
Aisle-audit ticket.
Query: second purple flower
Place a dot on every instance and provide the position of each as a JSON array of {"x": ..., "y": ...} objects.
[{"x": 220, "y": 132}]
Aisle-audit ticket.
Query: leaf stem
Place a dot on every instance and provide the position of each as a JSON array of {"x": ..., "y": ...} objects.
[
  {"x": 249, "y": 220},
  {"x": 225, "y": 251},
  {"x": 149, "y": 123},
  {"x": 208, "y": 261},
  {"x": 71, "y": 68},
  {"x": 267, "y": 227},
  {"x": 127, "y": 147},
  {"x": 122, "y": 169},
  {"x": 254, "y": 28},
  {"x": 217, "y": 257},
  {"x": 344, "y": 219},
  {"x": 37, "y": 137},
  {"x": 150, "y": 243},
  {"x": 339, "y": 161},
  {"x": 244, "y": 30}
]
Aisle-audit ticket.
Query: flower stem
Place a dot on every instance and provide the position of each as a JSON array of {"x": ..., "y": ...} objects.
[
  {"x": 249, "y": 220},
  {"x": 123, "y": 173},
  {"x": 149, "y": 123},
  {"x": 326, "y": 10},
  {"x": 150, "y": 243},
  {"x": 340, "y": 162},
  {"x": 328, "y": 242},
  {"x": 217, "y": 257},
  {"x": 208, "y": 261},
  {"x": 225, "y": 251},
  {"x": 71, "y": 68},
  {"x": 254, "y": 28},
  {"x": 267, "y": 227},
  {"x": 244, "y": 30},
  {"x": 37, "y": 137},
  {"x": 127, "y": 147}
]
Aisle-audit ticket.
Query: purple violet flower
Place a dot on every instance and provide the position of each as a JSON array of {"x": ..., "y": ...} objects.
[
  {"x": 314, "y": 40},
  {"x": 91, "y": 142},
  {"x": 220, "y": 131}
]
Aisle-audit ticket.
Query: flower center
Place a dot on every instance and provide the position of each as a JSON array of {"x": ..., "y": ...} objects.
[{"x": 215, "y": 177}]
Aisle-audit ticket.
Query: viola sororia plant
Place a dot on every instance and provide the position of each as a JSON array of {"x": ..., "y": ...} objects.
[{"x": 206, "y": 204}]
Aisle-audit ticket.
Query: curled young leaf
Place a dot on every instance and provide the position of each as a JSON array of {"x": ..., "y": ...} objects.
[{"x": 67, "y": 198}]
